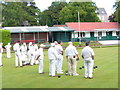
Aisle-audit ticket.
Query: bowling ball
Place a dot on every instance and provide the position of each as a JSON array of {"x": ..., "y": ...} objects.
[
  {"x": 82, "y": 66},
  {"x": 59, "y": 76}
]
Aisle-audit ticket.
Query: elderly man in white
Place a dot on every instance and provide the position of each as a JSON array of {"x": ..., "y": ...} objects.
[
  {"x": 31, "y": 53},
  {"x": 1, "y": 51},
  {"x": 72, "y": 55},
  {"x": 24, "y": 53},
  {"x": 59, "y": 61},
  {"x": 8, "y": 50},
  {"x": 35, "y": 55},
  {"x": 88, "y": 56},
  {"x": 52, "y": 55},
  {"x": 16, "y": 48},
  {"x": 40, "y": 58}
]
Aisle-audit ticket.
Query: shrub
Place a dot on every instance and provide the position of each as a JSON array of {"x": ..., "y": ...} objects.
[{"x": 5, "y": 36}]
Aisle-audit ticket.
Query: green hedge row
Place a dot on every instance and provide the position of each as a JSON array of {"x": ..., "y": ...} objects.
[{"x": 5, "y": 36}]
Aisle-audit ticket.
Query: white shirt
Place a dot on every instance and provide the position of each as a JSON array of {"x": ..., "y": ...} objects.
[
  {"x": 35, "y": 47},
  {"x": 40, "y": 52},
  {"x": 8, "y": 47},
  {"x": 23, "y": 48},
  {"x": 16, "y": 48},
  {"x": 71, "y": 50},
  {"x": 87, "y": 53},
  {"x": 52, "y": 53},
  {"x": 59, "y": 49}
]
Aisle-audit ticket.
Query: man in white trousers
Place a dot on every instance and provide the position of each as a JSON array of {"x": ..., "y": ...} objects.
[
  {"x": 1, "y": 51},
  {"x": 52, "y": 55},
  {"x": 88, "y": 56},
  {"x": 40, "y": 58},
  {"x": 36, "y": 49},
  {"x": 8, "y": 50},
  {"x": 16, "y": 48},
  {"x": 71, "y": 56},
  {"x": 31, "y": 53},
  {"x": 59, "y": 61},
  {"x": 24, "y": 53}
]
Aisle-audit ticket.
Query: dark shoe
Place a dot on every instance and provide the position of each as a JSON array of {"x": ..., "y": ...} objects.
[
  {"x": 21, "y": 66},
  {"x": 54, "y": 76},
  {"x": 42, "y": 73}
]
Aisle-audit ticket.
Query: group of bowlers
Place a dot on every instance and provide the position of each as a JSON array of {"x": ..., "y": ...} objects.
[{"x": 33, "y": 55}]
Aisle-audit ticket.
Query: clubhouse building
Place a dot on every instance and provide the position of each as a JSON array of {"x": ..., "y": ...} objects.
[{"x": 73, "y": 31}]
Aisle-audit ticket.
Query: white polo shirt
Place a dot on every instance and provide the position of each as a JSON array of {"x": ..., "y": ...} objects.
[
  {"x": 40, "y": 52},
  {"x": 87, "y": 53},
  {"x": 16, "y": 48},
  {"x": 52, "y": 53},
  {"x": 8, "y": 47},
  {"x": 59, "y": 49},
  {"x": 71, "y": 50}
]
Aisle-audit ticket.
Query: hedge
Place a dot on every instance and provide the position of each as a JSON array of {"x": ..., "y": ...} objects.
[{"x": 5, "y": 36}]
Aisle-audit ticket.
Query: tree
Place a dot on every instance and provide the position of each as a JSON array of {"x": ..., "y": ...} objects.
[
  {"x": 15, "y": 13},
  {"x": 51, "y": 16},
  {"x": 87, "y": 12},
  {"x": 117, "y": 12}
]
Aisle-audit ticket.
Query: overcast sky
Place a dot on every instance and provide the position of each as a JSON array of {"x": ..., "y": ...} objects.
[{"x": 107, "y": 4}]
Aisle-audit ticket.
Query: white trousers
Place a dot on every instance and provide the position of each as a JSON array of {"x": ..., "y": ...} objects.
[
  {"x": 32, "y": 58},
  {"x": 41, "y": 66},
  {"x": 0, "y": 59},
  {"x": 8, "y": 53},
  {"x": 88, "y": 67},
  {"x": 18, "y": 59},
  {"x": 52, "y": 67},
  {"x": 59, "y": 64},
  {"x": 72, "y": 64}
]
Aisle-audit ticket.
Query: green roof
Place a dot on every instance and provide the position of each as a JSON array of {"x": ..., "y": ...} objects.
[{"x": 38, "y": 29}]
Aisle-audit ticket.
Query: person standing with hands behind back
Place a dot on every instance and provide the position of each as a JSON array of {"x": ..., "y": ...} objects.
[
  {"x": 72, "y": 55},
  {"x": 88, "y": 56}
]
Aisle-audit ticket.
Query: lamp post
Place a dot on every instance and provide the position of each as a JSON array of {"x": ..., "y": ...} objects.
[{"x": 79, "y": 27}]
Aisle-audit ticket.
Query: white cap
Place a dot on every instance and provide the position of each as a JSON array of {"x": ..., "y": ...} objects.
[
  {"x": 52, "y": 44},
  {"x": 24, "y": 43},
  {"x": 42, "y": 45},
  {"x": 30, "y": 43},
  {"x": 70, "y": 43}
]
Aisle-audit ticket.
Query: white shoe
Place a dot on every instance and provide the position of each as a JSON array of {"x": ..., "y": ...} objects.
[
  {"x": 60, "y": 73},
  {"x": 76, "y": 75}
]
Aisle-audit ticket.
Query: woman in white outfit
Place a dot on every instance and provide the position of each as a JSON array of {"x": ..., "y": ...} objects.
[
  {"x": 8, "y": 50},
  {"x": 40, "y": 58}
]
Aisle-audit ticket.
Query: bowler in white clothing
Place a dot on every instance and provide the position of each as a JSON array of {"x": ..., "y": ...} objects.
[
  {"x": 59, "y": 61},
  {"x": 88, "y": 56},
  {"x": 16, "y": 48},
  {"x": 52, "y": 55},
  {"x": 1, "y": 51},
  {"x": 8, "y": 50},
  {"x": 31, "y": 53},
  {"x": 40, "y": 58},
  {"x": 24, "y": 53},
  {"x": 72, "y": 55}
]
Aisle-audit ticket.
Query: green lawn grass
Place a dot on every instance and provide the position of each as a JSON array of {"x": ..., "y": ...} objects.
[{"x": 106, "y": 76}]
